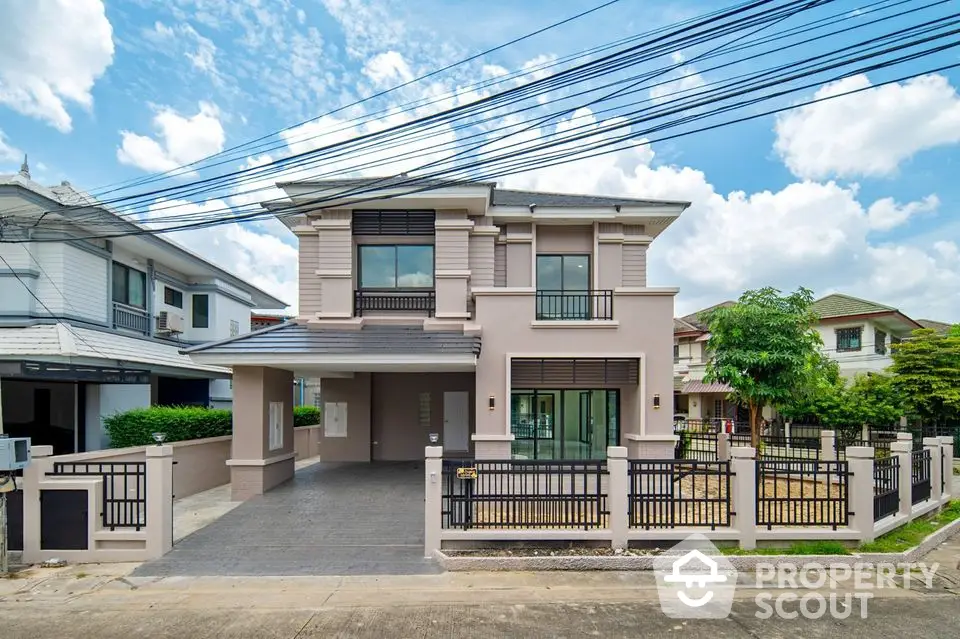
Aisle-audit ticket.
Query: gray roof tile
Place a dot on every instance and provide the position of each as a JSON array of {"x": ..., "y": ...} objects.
[
  {"x": 507, "y": 197},
  {"x": 293, "y": 338}
]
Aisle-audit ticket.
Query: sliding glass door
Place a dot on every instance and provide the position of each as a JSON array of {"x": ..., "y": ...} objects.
[{"x": 564, "y": 424}]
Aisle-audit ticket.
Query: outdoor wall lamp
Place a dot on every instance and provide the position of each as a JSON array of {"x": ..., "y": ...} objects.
[
  {"x": 656, "y": 400},
  {"x": 434, "y": 438},
  {"x": 491, "y": 402}
]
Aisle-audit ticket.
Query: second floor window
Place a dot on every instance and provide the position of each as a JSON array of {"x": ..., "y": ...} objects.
[
  {"x": 879, "y": 342},
  {"x": 676, "y": 353},
  {"x": 201, "y": 311},
  {"x": 848, "y": 339},
  {"x": 172, "y": 297},
  {"x": 129, "y": 286},
  {"x": 395, "y": 266},
  {"x": 566, "y": 273}
]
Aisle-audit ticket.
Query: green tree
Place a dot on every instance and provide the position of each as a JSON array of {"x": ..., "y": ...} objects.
[
  {"x": 763, "y": 347},
  {"x": 821, "y": 397},
  {"x": 873, "y": 399},
  {"x": 926, "y": 370}
]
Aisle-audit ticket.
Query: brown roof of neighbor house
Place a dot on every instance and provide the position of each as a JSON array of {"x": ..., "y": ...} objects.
[
  {"x": 703, "y": 387},
  {"x": 940, "y": 327},
  {"x": 694, "y": 318},
  {"x": 680, "y": 326}
]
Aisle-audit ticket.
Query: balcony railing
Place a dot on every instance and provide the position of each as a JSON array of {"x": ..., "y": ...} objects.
[
  {"x": 575, "y": 305},
  {"x": 394, "y": 301},
  {"x": 131, "y": 318}
]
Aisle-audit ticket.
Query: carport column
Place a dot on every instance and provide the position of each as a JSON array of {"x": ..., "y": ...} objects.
[
  {"x": 33, "y": 474},
  {"x": 902, "y": 450},
  {"x": 946, "y": 450},
  {"x": 433, "y": 501},
  {"x": 860, "y": 490},
  {"x": 743, "y": 500},
  {"x": 932, "y": 444},
  {"x": 261, "y": 460},
  {"x": 619, "y": 495},
  {"x": 828, "y": 445},
  {"x": 159, "y": 500}
]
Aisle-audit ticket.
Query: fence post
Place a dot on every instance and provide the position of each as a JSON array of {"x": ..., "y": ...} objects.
[
  {"x": 159, "y": 500},
  {"x": 946, "y": 449},
  {"x": 936, "y": 488},
  {"x": 860, "y": 490},
  {"x": 433, "y": 500},
  {"x": 723, "y": 446},
  {"x": 905, "y": 437},
  {"x": 828, "y": 445},
  {"x": 33, "y": 474},
  {"x": 743, "y": 465},
  {"x": 902, "y": 450},
  {"x": 619, "y": 495}
]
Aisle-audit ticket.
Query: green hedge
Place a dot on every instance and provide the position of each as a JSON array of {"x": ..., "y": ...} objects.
[
  {"x": 136, "y": 427},
  {"x": 306, "y": 415}
]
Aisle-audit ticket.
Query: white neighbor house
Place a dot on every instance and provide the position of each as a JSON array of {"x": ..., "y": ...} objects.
[{"x": 90, "y": 327}]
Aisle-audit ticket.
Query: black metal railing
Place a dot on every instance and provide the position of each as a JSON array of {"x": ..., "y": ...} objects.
[
  {"x": 525, "y": 494},
  {"x": 131, "y": 318},
  {"x": 575, "y": 305},
  {"x": 886, "y": 487},
  {"x": 697, "y": 446},
  {"x": 881, "y": 447},
  {"x": 673, "y": 493},
  {"x": 920, "y": 475},
  {"x": 802, "y": 493},
  {"x": 394, "y": 301},
  {"x": 777, "y": 447},
  {"x": 124, "y": 490}
]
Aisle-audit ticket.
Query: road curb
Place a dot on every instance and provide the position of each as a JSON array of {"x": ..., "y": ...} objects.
[{"x": 454, "y": 563}]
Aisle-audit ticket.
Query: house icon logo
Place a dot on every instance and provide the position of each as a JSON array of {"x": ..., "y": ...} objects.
[{"x": 695, "y": 581}]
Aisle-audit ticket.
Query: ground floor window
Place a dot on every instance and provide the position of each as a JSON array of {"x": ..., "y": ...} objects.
[{"x": 564, "y": 424}]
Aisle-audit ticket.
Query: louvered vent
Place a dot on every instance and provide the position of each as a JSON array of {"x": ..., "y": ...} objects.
[
  {"x": 417, "y": 223},
  {"x": 557, "y": 372}
]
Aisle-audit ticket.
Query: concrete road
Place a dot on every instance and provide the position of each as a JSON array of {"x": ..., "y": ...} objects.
[{"x": 933, "y": 617}]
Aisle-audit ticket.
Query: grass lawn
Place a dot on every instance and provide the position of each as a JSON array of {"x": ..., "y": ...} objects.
[
  {"x": 912, "y": 534},
  {"x": 797, "y": 548}
]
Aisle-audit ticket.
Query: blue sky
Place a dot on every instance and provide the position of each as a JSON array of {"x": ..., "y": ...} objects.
[{"x": 855, "y": 194}]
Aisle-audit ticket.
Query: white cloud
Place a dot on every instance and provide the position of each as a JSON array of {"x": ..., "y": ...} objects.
[
  {"x": 865, "y": 134},
  {"x": 8, "y": 153},
  {"x": 368, "y": 27},
  {"x": 886, "y": 214},
  {"x": 182, "y": 140},
  {"x": 200, "y": 50},
  {"x": 387, "y": 68},
  {"x": 815, "y": 234},
  {"x": 253, "y": 252},
  {"x": 688, "y": 81},
  {"x": 51, "y": 53}
]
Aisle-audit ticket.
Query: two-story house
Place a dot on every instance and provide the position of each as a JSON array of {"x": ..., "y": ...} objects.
[
  {"x": 495, "y": 323},
  {"x": 858, "y": 333},
  {"x": 90, "y": 327}
]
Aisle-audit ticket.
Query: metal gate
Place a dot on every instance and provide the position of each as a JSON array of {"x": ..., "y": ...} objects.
[
  {"x": 15, "y": 520},
  {"x": 64, "y": 520}
]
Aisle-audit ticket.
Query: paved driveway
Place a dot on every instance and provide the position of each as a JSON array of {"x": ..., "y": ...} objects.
[{"x": 332, "y": 519}]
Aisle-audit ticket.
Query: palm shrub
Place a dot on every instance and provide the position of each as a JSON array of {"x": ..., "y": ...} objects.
[
  {"x": 178, "y": 423},
  {"x": 306, "y": 415}
]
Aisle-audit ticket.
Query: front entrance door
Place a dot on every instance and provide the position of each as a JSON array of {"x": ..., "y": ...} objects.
[{"x": 456, "y": 421}]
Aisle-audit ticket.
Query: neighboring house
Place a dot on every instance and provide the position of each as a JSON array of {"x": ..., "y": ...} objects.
[
  {"x": 505, "y": 323},
  {"x": 940, "y": 327},
  {"x": 858, "y": 333},
  {"x": 89, "y": 327}
]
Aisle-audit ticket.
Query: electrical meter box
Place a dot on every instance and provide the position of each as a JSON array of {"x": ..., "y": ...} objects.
[{"x": 14, "y": 453}]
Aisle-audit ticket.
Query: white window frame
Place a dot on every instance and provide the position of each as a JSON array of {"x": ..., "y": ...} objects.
[{"x": 276, "y": 426}]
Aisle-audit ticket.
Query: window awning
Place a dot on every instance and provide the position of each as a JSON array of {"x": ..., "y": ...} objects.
[{"x": 703, "y": 387}]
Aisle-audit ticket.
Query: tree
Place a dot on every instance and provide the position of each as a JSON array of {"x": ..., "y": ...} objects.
[
  {"x": 763, "y": 347},
  {"x": 827, "y": 399},
  {"x": 874, "y": 400},
  {"x": 926, "y": 370}
]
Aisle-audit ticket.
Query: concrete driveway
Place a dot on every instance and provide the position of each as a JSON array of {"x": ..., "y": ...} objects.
[{"x": 332, "y": 519}]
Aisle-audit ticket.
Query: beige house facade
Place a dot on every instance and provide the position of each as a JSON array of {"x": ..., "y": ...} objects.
[{"x": 498, "y": 324}]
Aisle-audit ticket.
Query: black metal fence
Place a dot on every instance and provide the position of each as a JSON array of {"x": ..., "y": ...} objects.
[
  {"x": 802, "y": 493},
  {"x": 920, "y": 475},
  {"x": 881, "y": 447},
  {"x": 124, "y": 490},
  {"x": 697, "y": 446},
  {"x": 886, "y": 487},
  {"x": 672, "y": 493},
  {"x": 777, "y": 447},
  {"x": 574, "y": 305},
  {"x": 398, "y": 301},
  {"x": 525, "y": 494}
]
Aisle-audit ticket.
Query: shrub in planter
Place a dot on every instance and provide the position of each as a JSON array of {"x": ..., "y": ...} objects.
[
  {"x": 306, "y": 415},
  {"x": 136, "y": 427}
]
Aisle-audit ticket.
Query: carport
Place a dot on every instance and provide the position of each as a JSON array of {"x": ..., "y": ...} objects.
[
  {"x": 332, "y": 519},
  {"x": 384, "y": 389}
]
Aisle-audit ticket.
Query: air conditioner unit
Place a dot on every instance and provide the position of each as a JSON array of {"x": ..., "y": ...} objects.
[{"x": 169, "y": 322}]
